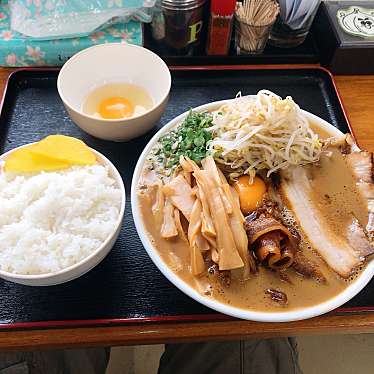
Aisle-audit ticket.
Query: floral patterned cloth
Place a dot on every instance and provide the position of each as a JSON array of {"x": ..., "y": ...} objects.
[
  {"x": 57, "y": 19},
  {"x": 15, "y": 50},
  {"x": 45, "y": 7}
]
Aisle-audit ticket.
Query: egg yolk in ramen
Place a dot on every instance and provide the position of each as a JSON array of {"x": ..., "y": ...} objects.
[{"x": 250, "y": 194}]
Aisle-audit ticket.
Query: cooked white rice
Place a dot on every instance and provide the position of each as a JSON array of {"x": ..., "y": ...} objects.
[{"x": 50, "y": 221}]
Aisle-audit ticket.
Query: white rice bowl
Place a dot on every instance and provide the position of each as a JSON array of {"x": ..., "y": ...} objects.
[
  {"x": 56, "y": 226},
  {"x": 50, "y": 221}
]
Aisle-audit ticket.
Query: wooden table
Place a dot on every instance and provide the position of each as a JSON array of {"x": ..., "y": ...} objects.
[{"x": 357, "y": 93}]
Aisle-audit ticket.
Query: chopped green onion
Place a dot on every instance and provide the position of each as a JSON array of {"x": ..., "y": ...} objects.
[{"x": 189, "y": 139}]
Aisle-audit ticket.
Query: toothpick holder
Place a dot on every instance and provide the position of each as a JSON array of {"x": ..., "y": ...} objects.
[{"x": 249, "y": 38}]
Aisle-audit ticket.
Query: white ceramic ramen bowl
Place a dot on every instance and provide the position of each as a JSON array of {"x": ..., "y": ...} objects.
[
  {"x": 87, "y": 263},
  {"x": 114, "y": 63},
  {"x": 282, "y": 316}
]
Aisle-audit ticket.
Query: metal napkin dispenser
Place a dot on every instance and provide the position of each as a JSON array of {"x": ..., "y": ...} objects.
[{"x": 344, "y": 34}]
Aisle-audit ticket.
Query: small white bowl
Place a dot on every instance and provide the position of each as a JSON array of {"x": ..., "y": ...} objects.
[
  {"x": 114, "y": 63},
  {"x": 89, "y": 262},
  {"x": 282, "y": 316}
]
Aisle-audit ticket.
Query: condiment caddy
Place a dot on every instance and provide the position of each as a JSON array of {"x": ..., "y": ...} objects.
[{"x": 187, "y": 32}]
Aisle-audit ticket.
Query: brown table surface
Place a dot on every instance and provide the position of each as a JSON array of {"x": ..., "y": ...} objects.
[{"x": 357, "y": 94}]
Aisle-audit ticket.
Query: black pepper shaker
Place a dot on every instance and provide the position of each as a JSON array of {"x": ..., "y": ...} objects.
[{"x": 179, "y": 25}]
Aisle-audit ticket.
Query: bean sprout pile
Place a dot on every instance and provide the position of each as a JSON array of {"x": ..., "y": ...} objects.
[{"x": 264, "y": 132}]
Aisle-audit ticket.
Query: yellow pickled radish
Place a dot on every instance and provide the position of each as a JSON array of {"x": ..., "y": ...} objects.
[
  {"x": 52, "y": 153},
  {"x": 23, "y": 161},
  {"x": 65, "y": 149}
]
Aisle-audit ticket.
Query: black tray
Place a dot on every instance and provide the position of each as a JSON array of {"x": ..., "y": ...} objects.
[{"x": 126, "y": 286}]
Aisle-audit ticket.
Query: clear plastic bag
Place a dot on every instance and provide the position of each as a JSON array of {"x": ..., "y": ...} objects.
[{"x": 56, "y": 19}]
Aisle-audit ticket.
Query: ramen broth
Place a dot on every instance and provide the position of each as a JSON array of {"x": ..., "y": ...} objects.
[{"x": 339, "y": 201}]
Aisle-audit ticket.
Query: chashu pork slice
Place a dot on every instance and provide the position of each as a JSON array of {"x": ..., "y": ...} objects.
[
  {"x": 361, "y": 165},
  {"x": 340, "y": 252}
]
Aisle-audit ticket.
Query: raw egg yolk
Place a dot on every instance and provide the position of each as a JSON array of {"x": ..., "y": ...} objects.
[
  {"x": 250, "y": 195},
  {"x": 115, "y": 108}
]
